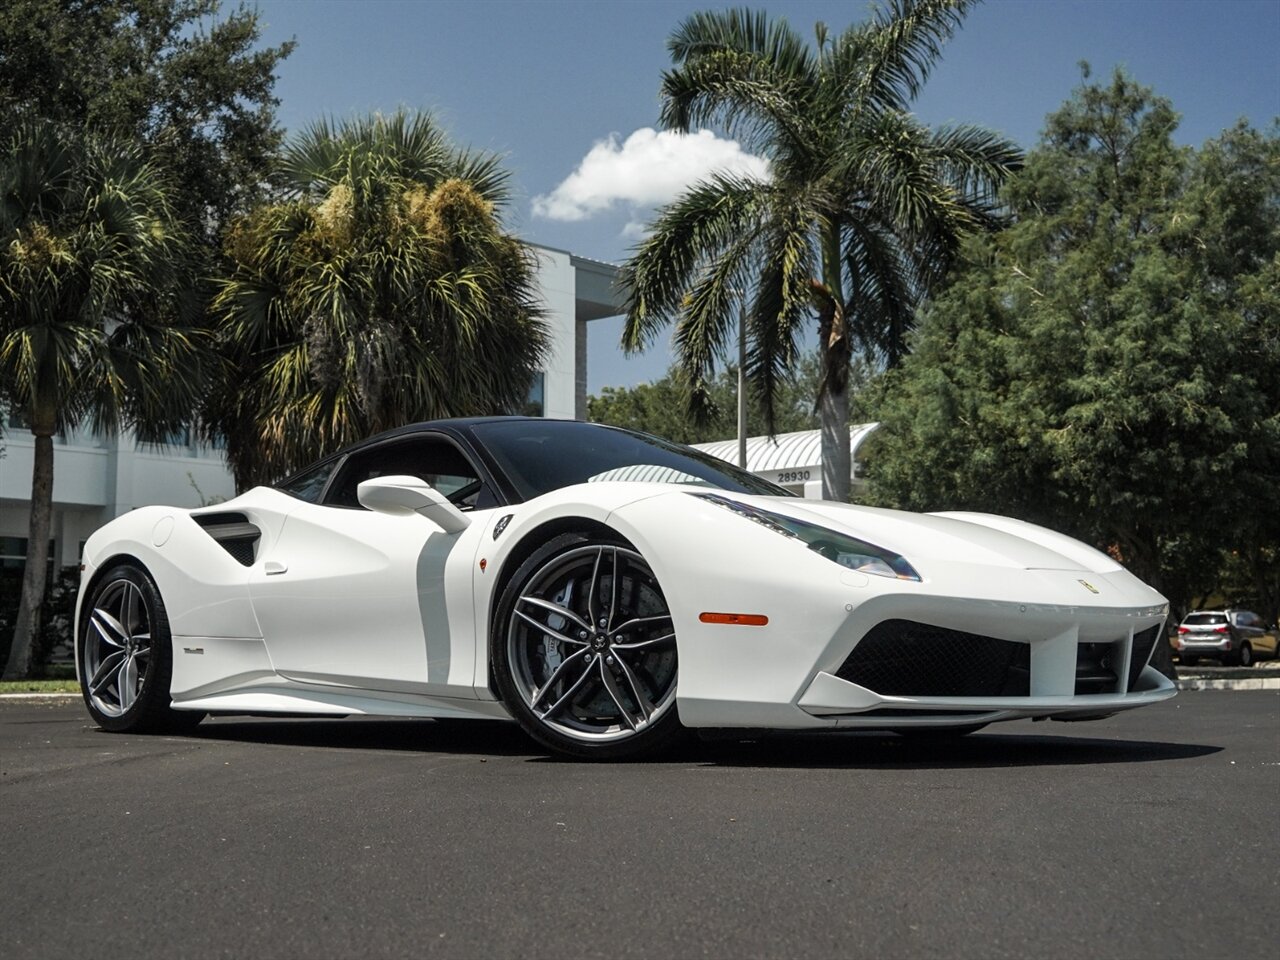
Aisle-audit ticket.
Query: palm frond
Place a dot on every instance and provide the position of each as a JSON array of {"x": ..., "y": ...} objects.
[
  {"x": 893, "y": 54},
  {"x": 709, "y": 218}
]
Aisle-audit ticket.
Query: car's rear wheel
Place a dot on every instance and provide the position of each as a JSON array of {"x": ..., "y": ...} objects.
[
  {"x": 125, "y": 655},
  {"x": 1245, "y": 657},
  {"x": 584, "y": 650}
]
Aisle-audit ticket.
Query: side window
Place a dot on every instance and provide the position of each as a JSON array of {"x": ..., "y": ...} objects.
[
  {"x": 432, "y": 459},
  {"x": 309, "y": 485}
]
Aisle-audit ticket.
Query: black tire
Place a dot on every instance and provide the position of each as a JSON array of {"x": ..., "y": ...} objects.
[
  {"x": 606, "y": 662},
  {"x": 1244, "y": 657},
  {"x": 124, "y": 655},
  {"x": 1189, "y": 661},
  {"x": 938, "y": 733}
]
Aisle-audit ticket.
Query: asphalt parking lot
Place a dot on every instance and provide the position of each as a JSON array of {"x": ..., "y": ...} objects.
[{"x": 1152, "y": 834}]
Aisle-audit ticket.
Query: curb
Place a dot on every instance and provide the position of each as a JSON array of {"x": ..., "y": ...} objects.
[
  {"x": 1252, "y": 683},
  {"x": 52, "y": 695}
]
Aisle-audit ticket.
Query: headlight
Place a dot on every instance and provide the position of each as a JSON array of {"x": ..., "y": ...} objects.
[{"x": 837, "y": 547}]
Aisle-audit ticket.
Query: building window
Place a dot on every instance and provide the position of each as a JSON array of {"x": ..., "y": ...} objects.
[
  {"x": 13, "y": 552},
  {"x": 533, "y": 403}
]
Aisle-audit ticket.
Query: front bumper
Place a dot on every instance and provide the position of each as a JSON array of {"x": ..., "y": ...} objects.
[{"x": 1071, "y": 648}]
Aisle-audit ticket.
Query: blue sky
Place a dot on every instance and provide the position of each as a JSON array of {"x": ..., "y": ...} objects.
[{"x": 550, "y": 83}]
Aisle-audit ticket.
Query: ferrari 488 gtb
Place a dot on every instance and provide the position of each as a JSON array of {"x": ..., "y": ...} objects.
[{"x": 603, "y": 588}]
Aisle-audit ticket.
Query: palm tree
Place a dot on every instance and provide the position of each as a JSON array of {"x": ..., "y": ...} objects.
[
  {"x": 91, "y": 264},
  {"x": 862, "y": 211},
  {"x": 379, "y": 291}
]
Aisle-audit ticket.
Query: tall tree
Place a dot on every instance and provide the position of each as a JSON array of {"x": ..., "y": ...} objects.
[
  {"x": 1107, "y": 366},
  {"x": 90, "y": 256},
  {"x": 383, "y": 290},
  {"x": 859, "y": 217},
  {"x": 177, "y": 75},
  {"x": 662, "y": 407}
]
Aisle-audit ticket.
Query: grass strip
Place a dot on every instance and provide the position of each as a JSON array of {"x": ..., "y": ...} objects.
[{"x": 39, "y": 686}]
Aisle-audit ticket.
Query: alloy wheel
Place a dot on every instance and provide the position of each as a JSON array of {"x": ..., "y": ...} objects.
[
  {"x": 117, "y": 647},
  {"x": 591, "y": 645}
]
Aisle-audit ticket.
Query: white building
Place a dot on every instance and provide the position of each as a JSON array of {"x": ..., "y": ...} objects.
[{"x": 98, "y": 478}]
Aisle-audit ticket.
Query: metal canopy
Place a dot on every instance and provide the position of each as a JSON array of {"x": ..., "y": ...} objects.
[{"x": 787, "y": 452}]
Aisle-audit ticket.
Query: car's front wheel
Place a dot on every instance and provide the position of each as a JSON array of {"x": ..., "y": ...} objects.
[
  {"x": 584, "y": 650},
  {"x": 1245, "y": 657},
  {"x": 125, "y": 655}
]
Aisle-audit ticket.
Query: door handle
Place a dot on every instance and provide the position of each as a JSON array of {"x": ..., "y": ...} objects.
[{"x": 272, "y": 567}]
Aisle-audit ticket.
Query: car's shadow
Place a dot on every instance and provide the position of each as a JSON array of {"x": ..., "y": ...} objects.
[
  {"x": 492, "y": 737},
  {"x": 887, "y": 751},
  {"x": 834, "y": 750}
]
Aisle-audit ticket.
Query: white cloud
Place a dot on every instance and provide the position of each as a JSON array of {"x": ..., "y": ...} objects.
[{"x": 646, "y": 170}]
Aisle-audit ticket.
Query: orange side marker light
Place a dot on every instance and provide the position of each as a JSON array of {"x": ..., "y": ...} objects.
[{"x": 735, "y": 619}]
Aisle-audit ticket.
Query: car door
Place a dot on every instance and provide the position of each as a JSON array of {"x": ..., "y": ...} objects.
[
  {"x": 355, "y": 598},
  {"x": 1248, "y": 632},
  {"x": 1263, "y": 640}
]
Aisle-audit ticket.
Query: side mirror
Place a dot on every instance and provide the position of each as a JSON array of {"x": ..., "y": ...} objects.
[{"x": 401, "y": 496}]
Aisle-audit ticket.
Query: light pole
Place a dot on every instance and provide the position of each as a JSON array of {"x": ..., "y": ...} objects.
[{"x": 742, "y": 385}]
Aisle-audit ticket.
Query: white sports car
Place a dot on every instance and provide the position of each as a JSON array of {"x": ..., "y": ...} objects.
[{"x": 603, "y": 588}]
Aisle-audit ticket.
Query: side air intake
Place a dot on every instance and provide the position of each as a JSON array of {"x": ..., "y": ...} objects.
[{"x": 234, "y": 533}]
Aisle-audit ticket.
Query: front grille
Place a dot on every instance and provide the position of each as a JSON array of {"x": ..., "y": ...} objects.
[
  {"x": 1095, "y": 672},
  {"x": 908, "y": 659},
  {"x": 1143, "y": 644}
]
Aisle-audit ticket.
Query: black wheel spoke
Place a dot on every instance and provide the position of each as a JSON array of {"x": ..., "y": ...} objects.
[
  {"x": 593, "y": 591},
  {"x": 613, "y": 589},
  {"x": 666, "y": 638},
  {"x": 556, "y": 707},
  {"x": 548, "y": 630},
  {"x": 611, "y": 685},
  {"x": 633, "y": 685},
  {"x": 642, "y": 621},
  {"x": 557, "y": 675},
  {"x": 106, "y": 671},
  {"x": 559, "y": 611}
]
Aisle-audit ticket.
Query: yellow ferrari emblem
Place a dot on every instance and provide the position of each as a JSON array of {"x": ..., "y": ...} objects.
[{"x": 1089, "y": 586}]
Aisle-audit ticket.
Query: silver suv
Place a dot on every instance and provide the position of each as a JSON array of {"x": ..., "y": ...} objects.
[{"x": 1232, "y": 636}]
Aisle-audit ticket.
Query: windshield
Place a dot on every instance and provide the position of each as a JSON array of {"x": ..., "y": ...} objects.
[
  {"x": 1204, "y": 619},
  {"x": 539, "y": 456}
]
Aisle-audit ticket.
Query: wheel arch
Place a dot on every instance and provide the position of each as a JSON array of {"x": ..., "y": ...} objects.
[{"x": 105, "y": 567}]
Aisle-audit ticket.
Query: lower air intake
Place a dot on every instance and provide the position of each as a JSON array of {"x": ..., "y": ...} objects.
[
  {"x": 1143, "y": 644},
  {"x": 903, "y": 658}
]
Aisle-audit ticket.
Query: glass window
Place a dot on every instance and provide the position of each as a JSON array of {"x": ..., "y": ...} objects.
[
  {"x": 540, "y": 456},
  {"x": 1205, "y": 619},
  {"x": 432, "y": 459},
  {"x": 13, "y": 552},
  {"x": 309, "y": 484}
]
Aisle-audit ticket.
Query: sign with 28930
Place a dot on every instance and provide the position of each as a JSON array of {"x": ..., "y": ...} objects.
[{"x": 792, "y": 476}]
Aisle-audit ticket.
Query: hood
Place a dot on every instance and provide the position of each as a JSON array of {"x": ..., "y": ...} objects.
[{"x": 959, "y": 538}]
